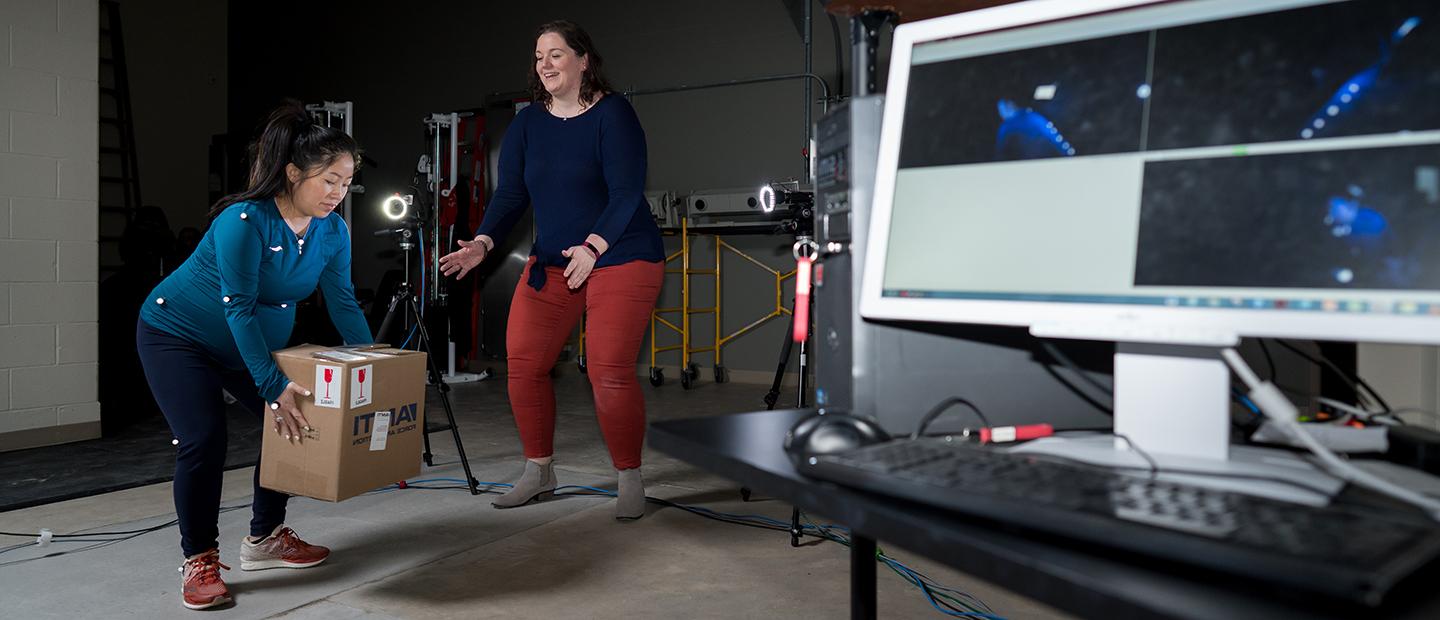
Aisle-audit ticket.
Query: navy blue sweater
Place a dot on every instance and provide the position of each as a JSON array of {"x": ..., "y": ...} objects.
[{"x": 583, "y": 175}]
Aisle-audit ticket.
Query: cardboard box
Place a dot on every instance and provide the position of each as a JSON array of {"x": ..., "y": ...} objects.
[{"x": 367, "y": 419}]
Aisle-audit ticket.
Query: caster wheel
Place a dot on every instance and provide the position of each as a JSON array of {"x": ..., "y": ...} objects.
[
  {"x": 657, "y": 377},
  {"x": 580, "y": 363},
  {"x": 722, "y": 375},
  {"x": 744, "y": 494},
  {"x": 689, "y": 376}
]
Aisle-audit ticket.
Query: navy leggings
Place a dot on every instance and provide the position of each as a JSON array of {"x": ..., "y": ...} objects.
[{"x": 187, "y": 381}]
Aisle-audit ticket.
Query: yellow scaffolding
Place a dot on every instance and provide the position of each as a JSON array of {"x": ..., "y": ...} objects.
[{"x": 689, "y": 371}]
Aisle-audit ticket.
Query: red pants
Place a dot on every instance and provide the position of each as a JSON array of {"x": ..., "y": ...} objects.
[{"x": 616, "y": 302}]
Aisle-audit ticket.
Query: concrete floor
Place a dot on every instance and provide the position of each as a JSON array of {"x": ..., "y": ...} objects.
[{"x": 446, "y": 554}]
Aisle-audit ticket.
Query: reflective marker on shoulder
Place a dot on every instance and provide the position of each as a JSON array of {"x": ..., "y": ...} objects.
[
  {"x": 159, "y": 301},
  {"x": 243, "y": 215},
  {"x": 175, "y": 442},
  {"x": 225, "y": 299},
  {"x": 284, "y": 305}
]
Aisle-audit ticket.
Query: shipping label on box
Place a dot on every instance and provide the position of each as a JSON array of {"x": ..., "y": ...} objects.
[
  {"x": 362, "y": 379},
  {"x": 367, "y": 421},
  {"x": 327, "y": 386}
]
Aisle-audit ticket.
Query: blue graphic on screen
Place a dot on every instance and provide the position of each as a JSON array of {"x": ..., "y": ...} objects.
[
  {"x": 1354, "y": 88},
  {"x": 1366, "y": 233},
  {"x": 1348, "y": 217},
  {"x": 1027, "y": 134}
]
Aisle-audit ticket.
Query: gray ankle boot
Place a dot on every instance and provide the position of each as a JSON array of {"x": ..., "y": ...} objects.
[
  {"x": 536, "y": 481},
  {"x": 631, "y": 503}
]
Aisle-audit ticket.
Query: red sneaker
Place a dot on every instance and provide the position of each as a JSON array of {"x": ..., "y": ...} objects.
[
  {"x": 281, "y": 549},
  {"x": 202, "y": 588}
]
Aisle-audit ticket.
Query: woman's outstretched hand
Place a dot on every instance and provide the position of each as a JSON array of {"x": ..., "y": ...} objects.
[{"x": 470, "y": 254}]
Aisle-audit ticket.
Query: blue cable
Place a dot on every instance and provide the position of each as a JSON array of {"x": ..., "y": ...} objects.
[
  {"x": 592, "y": 489},
  {"x": 915, "y": 580},
  {"x": 1245, "y": 400}
]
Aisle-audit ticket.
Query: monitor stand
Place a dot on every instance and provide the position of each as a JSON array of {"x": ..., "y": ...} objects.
[{"x": 1173, "y": 403}]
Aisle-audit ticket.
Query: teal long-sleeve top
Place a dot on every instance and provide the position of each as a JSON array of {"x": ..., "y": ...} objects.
[{"x": 236, "y": 294}]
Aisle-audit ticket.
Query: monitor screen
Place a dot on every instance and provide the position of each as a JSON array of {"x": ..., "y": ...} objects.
[{"x": 1259, "y": 167}]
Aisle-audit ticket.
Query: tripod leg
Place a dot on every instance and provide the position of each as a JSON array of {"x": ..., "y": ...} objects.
[
  {"x": 429, "y": 456},
  {"x": 773, "y": 396},
  {"x": 795, "y": 530},
  {"x": 444, "y": 388},
  {"x": 387, "y": 324},
  {"x": 800, "y": 399}
]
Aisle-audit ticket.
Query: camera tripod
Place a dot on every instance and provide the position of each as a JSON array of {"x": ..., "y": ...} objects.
[
  {"x": 403, "y": 305},
  {"x": 802, "y": 239}
]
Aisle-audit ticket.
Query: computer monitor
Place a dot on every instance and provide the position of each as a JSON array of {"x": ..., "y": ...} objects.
[{"x": 1168, "y": 175}]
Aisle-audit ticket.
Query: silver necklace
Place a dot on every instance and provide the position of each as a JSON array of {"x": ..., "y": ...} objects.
[{"x": 566, "y": 118}]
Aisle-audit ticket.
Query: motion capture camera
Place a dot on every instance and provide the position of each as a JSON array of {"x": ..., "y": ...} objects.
[
  {"x": 794, "y": 205},
  {"x": 398, "y": 206},
  {"x": 773, "y": 195}
]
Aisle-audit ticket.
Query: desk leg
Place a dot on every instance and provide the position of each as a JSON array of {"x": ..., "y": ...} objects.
[{"x": 862, "y": 578}]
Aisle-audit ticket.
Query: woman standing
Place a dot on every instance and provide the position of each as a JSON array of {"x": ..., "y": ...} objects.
[
  {"x": 577, "y": 156},
  {"x": 212, "y": 324}
]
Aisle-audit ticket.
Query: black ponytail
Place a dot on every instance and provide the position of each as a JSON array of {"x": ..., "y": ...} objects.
[{"x": 289, "y": 137}]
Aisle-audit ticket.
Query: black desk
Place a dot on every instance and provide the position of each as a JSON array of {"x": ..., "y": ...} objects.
[{"x": 1087, "y": 581}]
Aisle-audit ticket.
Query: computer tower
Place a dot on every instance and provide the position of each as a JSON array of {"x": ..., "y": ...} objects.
[{"x": 846, "y": 145}]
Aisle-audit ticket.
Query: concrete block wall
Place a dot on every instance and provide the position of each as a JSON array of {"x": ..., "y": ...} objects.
[{"x": 49, "y": 188}]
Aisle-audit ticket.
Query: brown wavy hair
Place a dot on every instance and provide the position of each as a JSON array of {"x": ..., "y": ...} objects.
[{"x": 592, "y": 82}]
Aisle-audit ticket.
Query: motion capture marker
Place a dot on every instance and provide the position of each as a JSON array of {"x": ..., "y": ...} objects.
[
  {"x": 1319, "y": 123},
  {"x": 1307, "y": 133},
  {"x": 1344, "y": 276},
  {"x": 1346, "y": 98},
  {"x": 1045, "y": 92},
  {"x": 284, "y": 305},
  {"x": 1353, "y": 87},
  {"x": 1143, "y": 91},
  {"x": 175, "y": 441},
  {"x": 1070, "y": 152},
  {"x": 225, "y": 299},
  {"x": 1332, "y": 110},
  {"x": 244, "y": 215},
  {"x": 159, "y": 301},
  {"x": 1406, "y": 27}
]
